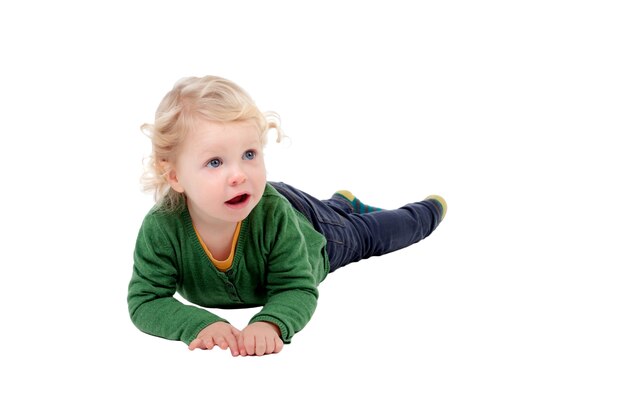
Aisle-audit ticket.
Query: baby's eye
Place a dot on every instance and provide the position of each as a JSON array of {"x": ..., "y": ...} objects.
[
  {"x": 214, "y": 163},
  {"x": 249, "y": 155}
]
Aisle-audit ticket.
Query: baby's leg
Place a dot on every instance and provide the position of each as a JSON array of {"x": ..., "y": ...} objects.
[
  {"x": 352, "y": 236},
  {"x": 365, "y": 235}
]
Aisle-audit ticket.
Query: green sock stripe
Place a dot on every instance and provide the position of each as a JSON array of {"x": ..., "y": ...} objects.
[
  {"x": 357, "y": 205},
  {"x": 441, "y": 205},
  {"x": 364, "y": 208}
]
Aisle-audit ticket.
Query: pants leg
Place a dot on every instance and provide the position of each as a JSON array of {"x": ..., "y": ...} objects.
[{"x": 351, "y": 236}]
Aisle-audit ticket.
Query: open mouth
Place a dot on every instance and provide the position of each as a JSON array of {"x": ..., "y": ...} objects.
[{"x": 238, "y": 199}]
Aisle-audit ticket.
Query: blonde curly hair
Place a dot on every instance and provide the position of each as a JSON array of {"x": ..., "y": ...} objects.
[{"x": 210, "y": 97}]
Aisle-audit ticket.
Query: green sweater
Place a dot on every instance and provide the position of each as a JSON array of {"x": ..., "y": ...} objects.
[{"x": 279, "y": 261}]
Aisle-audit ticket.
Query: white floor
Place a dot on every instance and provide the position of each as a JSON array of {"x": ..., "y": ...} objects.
[{"x": 513, "y": 113}]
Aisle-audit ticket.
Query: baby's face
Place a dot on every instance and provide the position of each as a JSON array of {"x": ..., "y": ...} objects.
[{"x": 221, "y": 170}]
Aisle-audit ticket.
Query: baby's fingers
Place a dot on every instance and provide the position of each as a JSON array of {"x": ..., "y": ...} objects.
[
  {"x": 195, "y": 344},
  {"x": 278, "y": 346},
  {"x": 251, "y": 346},
  {"x": 232, "y": 343},
  {"x": 201, "y": 344},
  {"x": 242, "y": 347}
]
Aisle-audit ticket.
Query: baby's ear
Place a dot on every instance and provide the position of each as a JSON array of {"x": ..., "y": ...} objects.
[{"x": 169, "y": 173}]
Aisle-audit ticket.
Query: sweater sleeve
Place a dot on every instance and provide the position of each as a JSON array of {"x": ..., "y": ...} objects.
[
  {"x": 291, "y": 283},
  {"x": 151, "y": 303}
]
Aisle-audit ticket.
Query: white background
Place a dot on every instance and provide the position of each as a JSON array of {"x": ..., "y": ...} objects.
[{"x": 513, "y": 111}]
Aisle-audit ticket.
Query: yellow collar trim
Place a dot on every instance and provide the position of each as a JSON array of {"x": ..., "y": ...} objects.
[{"x": 221, "y": 265}]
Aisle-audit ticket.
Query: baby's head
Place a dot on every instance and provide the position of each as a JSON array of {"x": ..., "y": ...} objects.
[{"x": 193, "y": 98}]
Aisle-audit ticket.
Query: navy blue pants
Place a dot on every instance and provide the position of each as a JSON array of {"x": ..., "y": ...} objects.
[{"x": 351, "y": 236}]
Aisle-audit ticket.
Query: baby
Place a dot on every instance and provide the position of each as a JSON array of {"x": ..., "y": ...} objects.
[{"x": 223, "y": 237}]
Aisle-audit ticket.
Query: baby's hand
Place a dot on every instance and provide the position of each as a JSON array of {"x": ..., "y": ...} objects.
[
  {"x": 220, "y": 334},
  {"x": 260, "y": 338}
]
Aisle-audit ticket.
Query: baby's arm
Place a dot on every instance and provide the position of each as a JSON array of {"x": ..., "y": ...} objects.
[
  {"x": 151, "y": 302},
  {"x": 294, "y": 264},
  {"x": 220, "y": 334}
]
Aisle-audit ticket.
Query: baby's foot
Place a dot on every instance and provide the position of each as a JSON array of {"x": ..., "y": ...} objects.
[
  {"x": 441, "y": 204},
  {"x": 357, "y": 205}
]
